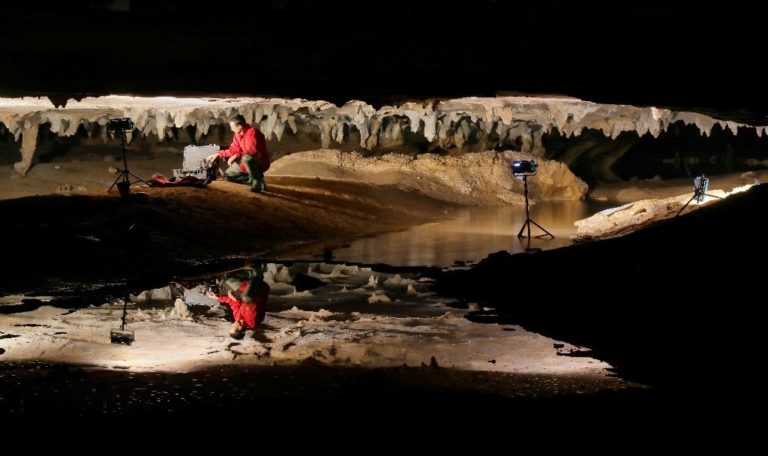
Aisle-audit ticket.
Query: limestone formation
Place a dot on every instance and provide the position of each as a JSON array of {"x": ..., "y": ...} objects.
[
  {"x": 631, "y": 217},
  {"x": 456, "y": 126},
  {"x": 482, "y": 178}
]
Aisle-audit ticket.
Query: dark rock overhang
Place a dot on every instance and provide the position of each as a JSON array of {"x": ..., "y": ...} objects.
[
  {"x": 465, "y": 124},
  {"x": 677, "y": 55}
]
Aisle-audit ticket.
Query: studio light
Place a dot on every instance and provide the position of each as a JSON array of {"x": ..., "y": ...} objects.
[
  {"x": 123, "y": 179},
  {"x": 525, "y": 168},
  {"x": 700, "y": 187},
  {"x": 122, "y": 335}
]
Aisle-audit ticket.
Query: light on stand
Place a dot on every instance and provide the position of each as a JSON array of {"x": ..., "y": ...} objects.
[
  {"x": 700, "y": 187},
  {"x": 123, "y": 181},
  {"x": 122, "y": 335},
  {"x": 527, "y": 168}
]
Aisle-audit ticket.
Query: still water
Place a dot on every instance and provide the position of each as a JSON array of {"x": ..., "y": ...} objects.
[{"x": 471, "y": 234}]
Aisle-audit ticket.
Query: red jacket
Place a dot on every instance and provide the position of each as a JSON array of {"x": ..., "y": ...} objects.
[
  {"x": 250, "y": 312},
  {"x": 249, "y": 141}
]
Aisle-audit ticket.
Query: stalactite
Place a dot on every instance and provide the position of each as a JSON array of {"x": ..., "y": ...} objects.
[{"x": 468, "y": 124}]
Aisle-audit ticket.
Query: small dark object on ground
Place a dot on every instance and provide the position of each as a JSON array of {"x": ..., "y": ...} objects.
[
  {"x": 119, "y": 336},
  {"x": 122, "y": 336}
]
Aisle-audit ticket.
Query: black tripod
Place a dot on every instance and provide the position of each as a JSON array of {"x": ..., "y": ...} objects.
[
  {"x": 123, "y": 181},
  {"x": 700, "y": 186},
  {"x": 528, "y": 220},
  {"x": 122, "y": 336}
]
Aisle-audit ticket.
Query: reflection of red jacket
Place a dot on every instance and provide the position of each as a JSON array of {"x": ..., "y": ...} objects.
[
  {"x": 250, "y": 312},
  {"x": 249, "y": 141}
]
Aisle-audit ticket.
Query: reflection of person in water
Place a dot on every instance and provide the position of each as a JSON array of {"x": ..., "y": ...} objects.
[{"x": 246, "y": 293}]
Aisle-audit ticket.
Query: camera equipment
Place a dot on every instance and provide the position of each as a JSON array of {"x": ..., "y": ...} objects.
[
  {"x": 700, "y": 187},
  {"x": 124, "y": 124},
  {"x": 123, "y": 181},
  {"x": 527, "y": 168},
  {"x": 121, "y": 336},
  {"x": 195, "y": 163},
  {"x": 524, "y": 167}
]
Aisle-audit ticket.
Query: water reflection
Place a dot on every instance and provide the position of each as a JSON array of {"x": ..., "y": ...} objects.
[
  {"x": 334, "y": 314},
  {"x": 471, "y": 235},
  {"x": 244, "y": 292}
]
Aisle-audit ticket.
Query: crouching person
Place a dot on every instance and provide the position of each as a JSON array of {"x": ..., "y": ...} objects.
[
  {"x": 247, "y": 294},
  {"x": 247, "y": 157}
]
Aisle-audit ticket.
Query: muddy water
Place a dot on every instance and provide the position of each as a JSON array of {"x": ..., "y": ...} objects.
[{"x": 472, "y": 234}]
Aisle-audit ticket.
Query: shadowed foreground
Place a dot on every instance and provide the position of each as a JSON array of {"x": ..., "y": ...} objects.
[
  {"x": 70, "y": 242},
  {"x": 676, "y": 305}
]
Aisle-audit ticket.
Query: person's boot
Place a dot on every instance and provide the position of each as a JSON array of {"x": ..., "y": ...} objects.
[{"x": 258, "y": 186}]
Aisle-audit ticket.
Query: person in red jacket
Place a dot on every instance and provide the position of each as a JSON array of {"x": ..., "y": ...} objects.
[
  {"x": 247, "y": 294},
  {"x": 247, "y": 157}
]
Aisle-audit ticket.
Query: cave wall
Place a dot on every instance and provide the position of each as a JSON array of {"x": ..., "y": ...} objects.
[
  {"x": 600, "y": 143},
  {"x": 680, "y": 150}
]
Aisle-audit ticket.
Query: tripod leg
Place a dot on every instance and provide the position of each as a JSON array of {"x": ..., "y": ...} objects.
[
  {"x": 121, "y": 175},
  {"x": 520, "y": 233},
  {"x": 547, "y": 233},
  {"x": 138, "y": 179},
  {"x": 528, "y": 220},
  {"x": 686, "y": 205}
]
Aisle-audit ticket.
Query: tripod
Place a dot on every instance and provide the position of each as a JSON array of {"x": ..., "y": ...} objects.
[
  {"x": 528, "y": 220},
  {"x": 700, "y": 185},
  {"x": 122, "y": 336},
  {"x": 123, "y": 181}
]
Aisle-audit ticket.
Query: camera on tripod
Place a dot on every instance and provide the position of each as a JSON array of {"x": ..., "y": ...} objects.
[
  {"x": 524, "y": 167},
  {"x": 124, "y": 124},
  {"x": 120, "y": 127}
]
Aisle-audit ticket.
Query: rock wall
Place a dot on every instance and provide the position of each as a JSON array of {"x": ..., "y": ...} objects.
[{"x": 482, "y": 178}]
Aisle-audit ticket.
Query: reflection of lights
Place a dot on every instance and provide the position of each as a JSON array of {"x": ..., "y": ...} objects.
[{"x": 743, "y": 188}]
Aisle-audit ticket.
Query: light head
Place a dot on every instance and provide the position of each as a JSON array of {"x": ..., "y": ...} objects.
[
  {"x": 524, "y": 167},
  {"x": 700, "y": 187},
  {"x": 124, "y": 124}
]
